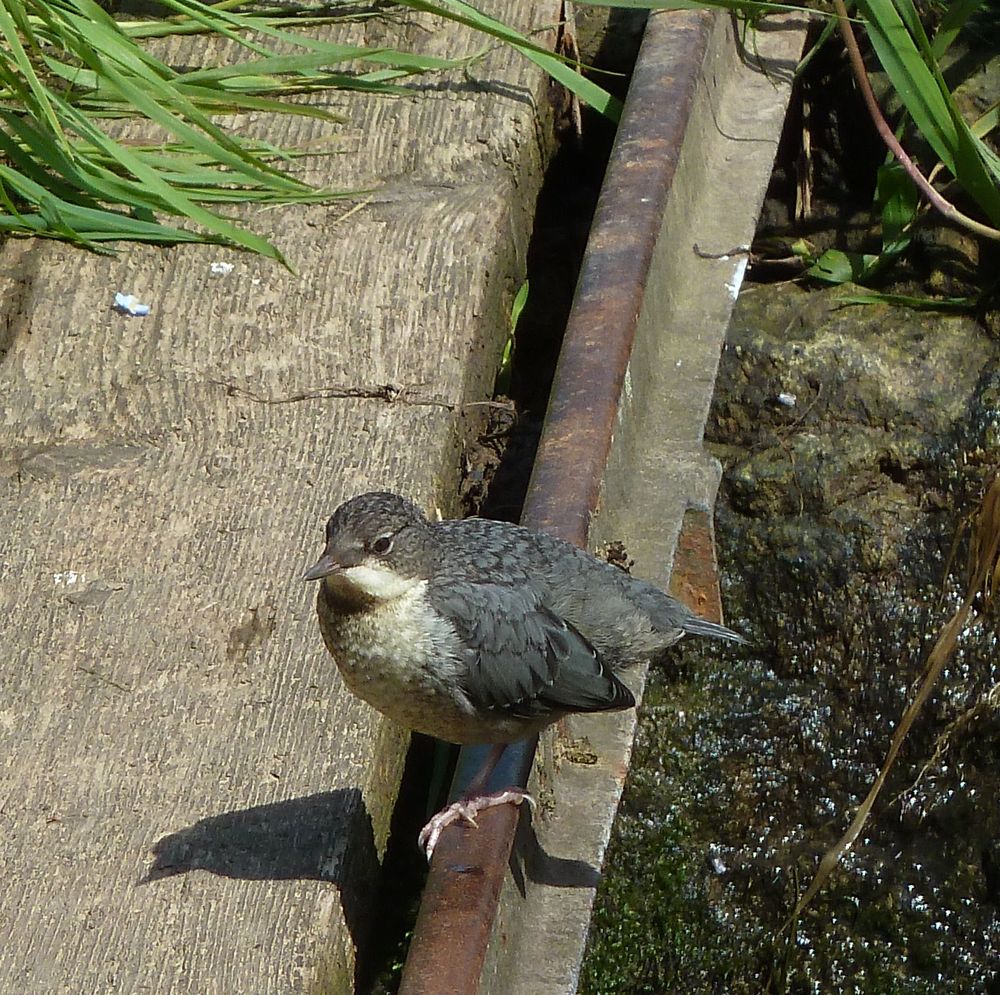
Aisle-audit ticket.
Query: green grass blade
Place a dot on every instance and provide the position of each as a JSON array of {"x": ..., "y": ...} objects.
[
  {"x": 12, "y": 34},
  {"x": 956, "y": 15},
  {"x": 301, "y": 63},
  {"x": 238, "y": 27},
  {"x": 746, "y": 8},
  {"x": 910, "y": 76},
  {"x": 947, "y": 305},
  {"x": 463, "y": 13},
  {"x": 206, "y": 138}
]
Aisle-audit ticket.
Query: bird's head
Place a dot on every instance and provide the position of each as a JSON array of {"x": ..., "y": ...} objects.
[{"x": 378, "y": 546}]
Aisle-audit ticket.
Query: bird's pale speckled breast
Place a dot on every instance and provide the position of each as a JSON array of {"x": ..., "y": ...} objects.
[{"x": 407, "y": 661}]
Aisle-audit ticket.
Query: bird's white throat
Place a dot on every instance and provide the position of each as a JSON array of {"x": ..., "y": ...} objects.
[{"x": 373, "y": 581}]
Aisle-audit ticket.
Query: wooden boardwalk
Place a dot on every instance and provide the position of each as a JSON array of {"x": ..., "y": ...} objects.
[{"x": 189, "y": 801}]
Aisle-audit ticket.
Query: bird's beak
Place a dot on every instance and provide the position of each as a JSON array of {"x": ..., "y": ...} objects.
[{"x": 324, "y": 566}]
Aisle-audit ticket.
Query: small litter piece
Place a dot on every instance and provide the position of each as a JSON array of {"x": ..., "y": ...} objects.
[
  {"x": 128, "y": 304},
  {"x": 788, "y": 400},
  {"x": 222, "y": 269}
]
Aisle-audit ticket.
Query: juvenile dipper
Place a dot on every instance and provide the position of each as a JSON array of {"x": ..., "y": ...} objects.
[{"x": 476, "y": 631}]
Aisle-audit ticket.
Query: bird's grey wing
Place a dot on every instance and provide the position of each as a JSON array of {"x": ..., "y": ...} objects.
[{"x": 522, "y": 658}]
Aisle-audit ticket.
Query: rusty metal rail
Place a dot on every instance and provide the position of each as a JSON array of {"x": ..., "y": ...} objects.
[
  {"x": 463, "y": 887},
  {"x": 458, "y": 915}
]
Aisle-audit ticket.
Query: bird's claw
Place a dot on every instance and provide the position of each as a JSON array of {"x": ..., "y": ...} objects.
[{"x": 466, "y": 810}]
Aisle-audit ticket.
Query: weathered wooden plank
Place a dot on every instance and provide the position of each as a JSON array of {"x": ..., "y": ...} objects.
[{"x": 189, "y": 801}]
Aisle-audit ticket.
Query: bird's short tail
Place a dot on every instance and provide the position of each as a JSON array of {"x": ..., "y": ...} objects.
[{"x": 695, "y": 626}]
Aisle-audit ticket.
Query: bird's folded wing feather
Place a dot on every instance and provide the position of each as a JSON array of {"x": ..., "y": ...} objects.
[{"x": 521, "y": 657}]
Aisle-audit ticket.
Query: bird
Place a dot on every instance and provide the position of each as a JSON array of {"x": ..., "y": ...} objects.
[{"x": 482, "y": 632}]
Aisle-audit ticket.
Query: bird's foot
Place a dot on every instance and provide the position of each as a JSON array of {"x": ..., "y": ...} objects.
[{"x": 466, "y": 810}]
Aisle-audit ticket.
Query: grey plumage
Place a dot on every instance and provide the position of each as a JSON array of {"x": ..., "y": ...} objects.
[{"x": 482, "y": 632}]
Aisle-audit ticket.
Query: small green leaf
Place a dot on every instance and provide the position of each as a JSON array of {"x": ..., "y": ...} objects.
[
  {"x": 896, "y": 195},
  {"x": 835, "y": 266},
  {"x": 520, "y": 299}
]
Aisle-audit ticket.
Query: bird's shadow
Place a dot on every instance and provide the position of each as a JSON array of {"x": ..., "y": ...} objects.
[
  {"x": 328, "y": 837},
  {"x": 322, "y": 837},
  {"x": 298, "y": 838}
]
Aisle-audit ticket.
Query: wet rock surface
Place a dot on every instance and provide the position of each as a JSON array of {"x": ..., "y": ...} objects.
[{"x": 855, "y": 440}]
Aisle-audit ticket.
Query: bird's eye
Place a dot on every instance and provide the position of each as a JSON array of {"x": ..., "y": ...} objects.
[{"x": 382, "y": 544}]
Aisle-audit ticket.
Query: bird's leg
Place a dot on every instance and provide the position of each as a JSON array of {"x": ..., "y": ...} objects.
[
  {"x": 472, "y": 802},
  {"x": 489, "y": 765}
]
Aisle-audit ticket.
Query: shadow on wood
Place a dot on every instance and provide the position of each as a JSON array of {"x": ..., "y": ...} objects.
[{"x": 322, "y": 837}]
